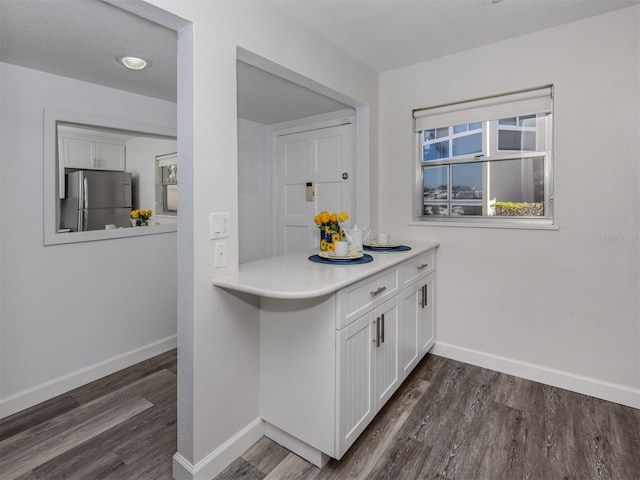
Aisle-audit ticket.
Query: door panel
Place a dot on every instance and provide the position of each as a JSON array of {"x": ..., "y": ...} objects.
[
  {"x": 386, "y": 355},
  {"x": 320, "y": 156}
]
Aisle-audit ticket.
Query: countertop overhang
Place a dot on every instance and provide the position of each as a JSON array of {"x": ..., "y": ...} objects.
[{"x": 293, "y": 276}]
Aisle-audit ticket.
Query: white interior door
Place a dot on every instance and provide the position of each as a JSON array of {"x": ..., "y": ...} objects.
[{"x": 324, "y": 157}]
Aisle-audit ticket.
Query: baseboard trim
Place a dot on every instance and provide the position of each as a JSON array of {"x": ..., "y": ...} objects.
[
  {"x": 549, "y": 376},
  {"x": 221, "y": 457},
  {"x": 45, "y": 391}
]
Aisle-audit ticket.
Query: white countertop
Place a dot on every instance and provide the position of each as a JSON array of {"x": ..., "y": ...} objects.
[{"x": 294, "y": 276}]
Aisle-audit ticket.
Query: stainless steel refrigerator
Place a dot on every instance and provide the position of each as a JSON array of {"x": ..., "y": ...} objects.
[{"x": 95, "y": 199}]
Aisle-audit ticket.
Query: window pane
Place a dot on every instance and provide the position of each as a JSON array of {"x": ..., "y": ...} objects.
[
  {"x": 508, "y": 121},
  {"x": 475, "y": 126},
  {"x": 467, "y": 145},
  {"x": 436, "y": 183},
  {"x": 521, "y": 141},
  {"x": 435, "y": 151},
  {"x": 170, "y": 174},
  {"x": 171, "y": 198},
  {"x": 527, "y": 121},
  {"x": 437, "y": 209},
  {"x": 460, "y": 128},
  {"x": 458, "y": 210},
  {"x": 466, "y": 181},
  {"x": 517, "y": 187},
  {"x": 442, "y": 132}
]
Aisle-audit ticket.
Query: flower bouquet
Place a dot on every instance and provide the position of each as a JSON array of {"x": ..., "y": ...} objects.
[
  {"x": 140, "y": 218},
  {"x": 330, "y": 230}
]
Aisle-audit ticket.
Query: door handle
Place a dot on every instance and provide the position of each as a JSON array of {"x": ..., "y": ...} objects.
[
  {"x": 426, "y": 295},
  {"x": 422, "y": 265},
  {"x": 423, "y": 299},
  {"x": 382, "y": 335},
  {"x": 377, "y": 340}
]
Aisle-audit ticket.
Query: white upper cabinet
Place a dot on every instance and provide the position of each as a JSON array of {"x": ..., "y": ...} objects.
[{"x": 91, "y": 150}]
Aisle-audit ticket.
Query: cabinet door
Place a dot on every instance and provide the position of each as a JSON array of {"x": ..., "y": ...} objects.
[
  {"x": 78, "y": 153},
  {"x": 109, "y": 156},
  {"x": 386, "y": 352},
  {"x": 410, "y": 314},
  {"x": 426, "y": 319},
  {"x": 355, "y": 387}
]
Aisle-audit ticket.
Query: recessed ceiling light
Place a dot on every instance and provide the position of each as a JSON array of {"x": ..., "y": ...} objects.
[{"x": 134, "y": 63}]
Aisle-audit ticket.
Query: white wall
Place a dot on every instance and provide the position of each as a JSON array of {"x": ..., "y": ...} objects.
[
  {"x": 71, "y": 312},
  {"x": 254, "y": 191},
  {"x": 557, "y": 306},
  {"x": 218, "y": 332},
  {"x": 141, "y": 162}
]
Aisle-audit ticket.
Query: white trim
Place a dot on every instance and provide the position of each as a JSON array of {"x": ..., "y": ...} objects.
[
  {"x": 549, "y": 376},
  {"x": 221, "y": 457},
  {"x": 508, "y": 225},
  {"x": 57, "y": 386}
]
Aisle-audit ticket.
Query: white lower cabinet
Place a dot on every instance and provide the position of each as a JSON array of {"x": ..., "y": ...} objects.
[
  {"x": 416, "y": 329},
  {"x": 343, "y": 356},
  {"x": 368, "y": 363}
]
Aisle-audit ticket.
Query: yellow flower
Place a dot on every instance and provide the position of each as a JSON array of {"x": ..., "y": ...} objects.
[
  {"x": 323, "y": 244},
  {"x": 335, "y": 237},
  {"x": 344, "y": 216},
  {"x": 333, "y": 217},
  {"x": 134, "y": 214},
  {"x": 324, "y": 216},
  {"x": 317, "y": 220},
  {"x": 148, "y": 213},
  {"x": 330, "y": 247},
  {"x": 327, "y": 229}
]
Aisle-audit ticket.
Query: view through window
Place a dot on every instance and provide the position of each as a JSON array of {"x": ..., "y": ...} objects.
[{"x": 486, "y": 159}]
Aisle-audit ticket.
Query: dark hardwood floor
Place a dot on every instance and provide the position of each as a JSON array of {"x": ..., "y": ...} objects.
[
  {"x": 120, "y": 427},
  {"x": 448, "y": 421}
]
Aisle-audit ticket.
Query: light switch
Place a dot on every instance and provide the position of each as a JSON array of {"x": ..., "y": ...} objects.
[{"x": 219, "y": 225}]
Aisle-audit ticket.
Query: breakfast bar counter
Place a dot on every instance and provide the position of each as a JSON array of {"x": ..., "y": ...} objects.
[
  {"x": 293, "y": 276},
  {"x": 336, "y": 340}
]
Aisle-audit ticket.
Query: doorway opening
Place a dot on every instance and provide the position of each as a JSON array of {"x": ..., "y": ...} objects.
[{"x": 278, "y": 112}]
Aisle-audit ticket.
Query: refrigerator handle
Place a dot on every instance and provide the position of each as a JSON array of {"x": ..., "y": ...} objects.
[{"x": 85, "y": 191}]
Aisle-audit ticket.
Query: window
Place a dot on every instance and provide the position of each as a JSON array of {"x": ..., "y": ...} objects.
[
  {"x": 167, "y": 185},
  {"x": 486, "y": 160}
]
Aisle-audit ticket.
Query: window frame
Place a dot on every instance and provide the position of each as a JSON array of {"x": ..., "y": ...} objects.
[
  {"x": 163, "y": 161},
  {"x": 490, "y": 153}
]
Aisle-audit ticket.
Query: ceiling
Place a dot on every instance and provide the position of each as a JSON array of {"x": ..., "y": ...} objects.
[{"x": 81, "y": 38}]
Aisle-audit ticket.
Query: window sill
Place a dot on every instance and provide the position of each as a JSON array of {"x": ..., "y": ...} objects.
[
  {"x": 94, "y": 235},
  {"x": 509, "y": 226}
]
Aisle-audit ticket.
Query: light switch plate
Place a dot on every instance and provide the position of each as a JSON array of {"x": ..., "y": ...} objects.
[{"x": 219, "y": 225}]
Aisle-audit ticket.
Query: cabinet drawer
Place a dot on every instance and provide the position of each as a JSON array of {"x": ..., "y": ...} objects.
[
  {"x": 417, "y": 267},
  {"x": 357, "y": 299}
]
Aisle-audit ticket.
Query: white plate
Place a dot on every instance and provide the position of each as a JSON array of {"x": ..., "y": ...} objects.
[
  {"x": 381, "y": 245},
  {"x": 334, "y": 256}
]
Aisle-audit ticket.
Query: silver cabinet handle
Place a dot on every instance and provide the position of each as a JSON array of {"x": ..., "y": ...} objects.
[
  {"x": 422, "y": 265},
  {"x": 422, "y": 300},
  {"x": 379, "y": 290},
  {"x": 382, "y": 335},
  {"x": 377, "y": 340},
  {"x": 426, "y": 295}
]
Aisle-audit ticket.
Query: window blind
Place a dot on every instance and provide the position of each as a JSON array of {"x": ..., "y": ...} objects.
[
  {"x": 166, "y": 160},
  {"x": 524, "y": 102}
]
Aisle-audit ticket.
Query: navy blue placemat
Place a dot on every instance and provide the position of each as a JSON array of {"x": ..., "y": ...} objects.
[
  {"x": 358, "y": 261},
  {"x": 399, "y": 248}
]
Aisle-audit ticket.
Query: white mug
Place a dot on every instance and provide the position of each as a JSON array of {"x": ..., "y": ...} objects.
[
  {"x": 341, "y": 248},
  {"x": 383, "y": 238}
]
